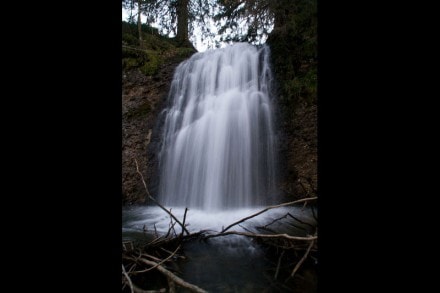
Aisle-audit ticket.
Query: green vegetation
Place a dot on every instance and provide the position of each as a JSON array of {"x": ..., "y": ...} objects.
[
  {"x": 140, "y": 111},
  {"x": 293, "y": 41},
  {"x": 155, "y": 49},
  {"x": 293, "y": 44}
]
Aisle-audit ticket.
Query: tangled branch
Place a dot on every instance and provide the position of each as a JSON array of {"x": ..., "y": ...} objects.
[
  {"x": 147, "y": 262},
  {"x": 173, "y": 277},
  {"x": 285, "y": 236},
  {"x": 266, "y": 209},
  {"x": 156, "y": 202}
]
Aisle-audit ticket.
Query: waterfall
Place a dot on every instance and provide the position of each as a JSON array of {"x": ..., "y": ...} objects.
[{"x": 218, "y": 141}]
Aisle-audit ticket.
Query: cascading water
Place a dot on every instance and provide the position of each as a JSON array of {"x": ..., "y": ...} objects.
[
  {"x": 218, "y": 143},
  {"x": 217, "y": 158}
]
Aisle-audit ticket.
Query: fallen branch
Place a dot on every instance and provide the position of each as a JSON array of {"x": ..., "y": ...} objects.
[
  {"x": 127, "y": 244},
  {"x": 155, "y": 240},
  {"x": 176, "y": 240},
  {"x": 128, "y": 279},
  {"x": 304, "y": 206},
  {"x": 265, "y": 229},
  {"x": 266, "y": 209},
  {"x": 138, "y": 258},
  {"x": 246, "y": 229},
  {"x": 171, "y": 227},
  {"x": 278, "y": 265},
  {"x": 276, "y": 220},
  {"x": 156, "y": 202},
  {"x": 302, "y": 222},
  {"x": 285, "y": 236},
  {"x": 184, "y": 218},
  {"x": 159, "y": 263},
  {"x": 170, "y": 252},
  {"x": 171, "y": 285},
  {"x": 149, "y": 256},
  {"x": 174, "y": 278},
  {"x": 280, "y": 218},
  {"x": 295, "y": 269},
  {"x": 131, "y": 268}
]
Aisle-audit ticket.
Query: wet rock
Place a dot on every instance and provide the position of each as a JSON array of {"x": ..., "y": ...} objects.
[{"x": 142, "y": 101}]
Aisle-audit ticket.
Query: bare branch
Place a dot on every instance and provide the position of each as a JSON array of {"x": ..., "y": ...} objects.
[
  {"x": 173, "y": 277},
  {"x": 246, "y": 229},
  {"x": 142, "y": 177},
  {"x": 155, "y": 240},
  {"x": 285, "y": 236},
  {"x": 170, "y": 252},
  {"x": 184, "y": 218},
  {"x": 276, "y": 220},
  {"x": 149, "y": 256},
  {"x": 269, "y": 208},
  {"x": 156, "y": 202},
  {"x": 171, "y": 227},
  {"x": 265, "y": 227},
  {"x": 158, "y": 264},
  {"x": 127, "y": 245},
  {"x": 278, "y": 265},
  {"x": 302, "y": 222},
  {"x": 128, "y": 279},
  {"x": 171, "y": 285},
  {"x": 304, "y": 205},
  {"x": 295, "y": 269}
]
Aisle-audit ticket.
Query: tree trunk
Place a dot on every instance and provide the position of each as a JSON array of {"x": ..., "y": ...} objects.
[
  {"x": 139, "y": 23},
  {"x": 182, "y": 22}
]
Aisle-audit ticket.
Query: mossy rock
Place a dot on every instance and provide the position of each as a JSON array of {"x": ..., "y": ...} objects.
[
  {"x": 129, "y": 39},
  {"x": 128, "y": 63},
  {"x": 302, "y": 87},
  {"x": 140, "y": 111},
  {"x": 310, "y": 88},
  {"x": 185, "y": 52},
  {"x": 151, "y": 67},
  {"x": 155, "y": 49},
  {"x": 148, "y": 61},
  {"x": 157, "y": 43},
  {"x": 143, "y": 110}
]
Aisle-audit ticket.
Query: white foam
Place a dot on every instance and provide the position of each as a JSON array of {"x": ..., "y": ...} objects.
[{"x": 197, "y": 219}]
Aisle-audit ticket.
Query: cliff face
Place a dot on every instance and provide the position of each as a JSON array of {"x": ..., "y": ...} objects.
[
  {"x": 147, "y": 72},
  {"x": 145, "y": 87},
  {"x": 293, "y": 44},
  {"x": 297, "y": 153},
  {"x": 143, "y": 98}
]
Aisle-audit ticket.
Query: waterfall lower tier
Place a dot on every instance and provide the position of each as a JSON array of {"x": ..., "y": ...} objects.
[{"x": 218, "y": 140}]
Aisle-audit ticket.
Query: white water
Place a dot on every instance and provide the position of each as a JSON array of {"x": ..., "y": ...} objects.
[
  {"x": 153, "y": 217},
  {"x": 218, "y": 143}
]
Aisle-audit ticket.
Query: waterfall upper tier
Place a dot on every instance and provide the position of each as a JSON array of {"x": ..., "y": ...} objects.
[{"x": 218, "y": 139}]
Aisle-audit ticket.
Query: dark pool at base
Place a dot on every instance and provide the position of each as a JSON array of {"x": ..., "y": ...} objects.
[{"x": 226, "y": 264}]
